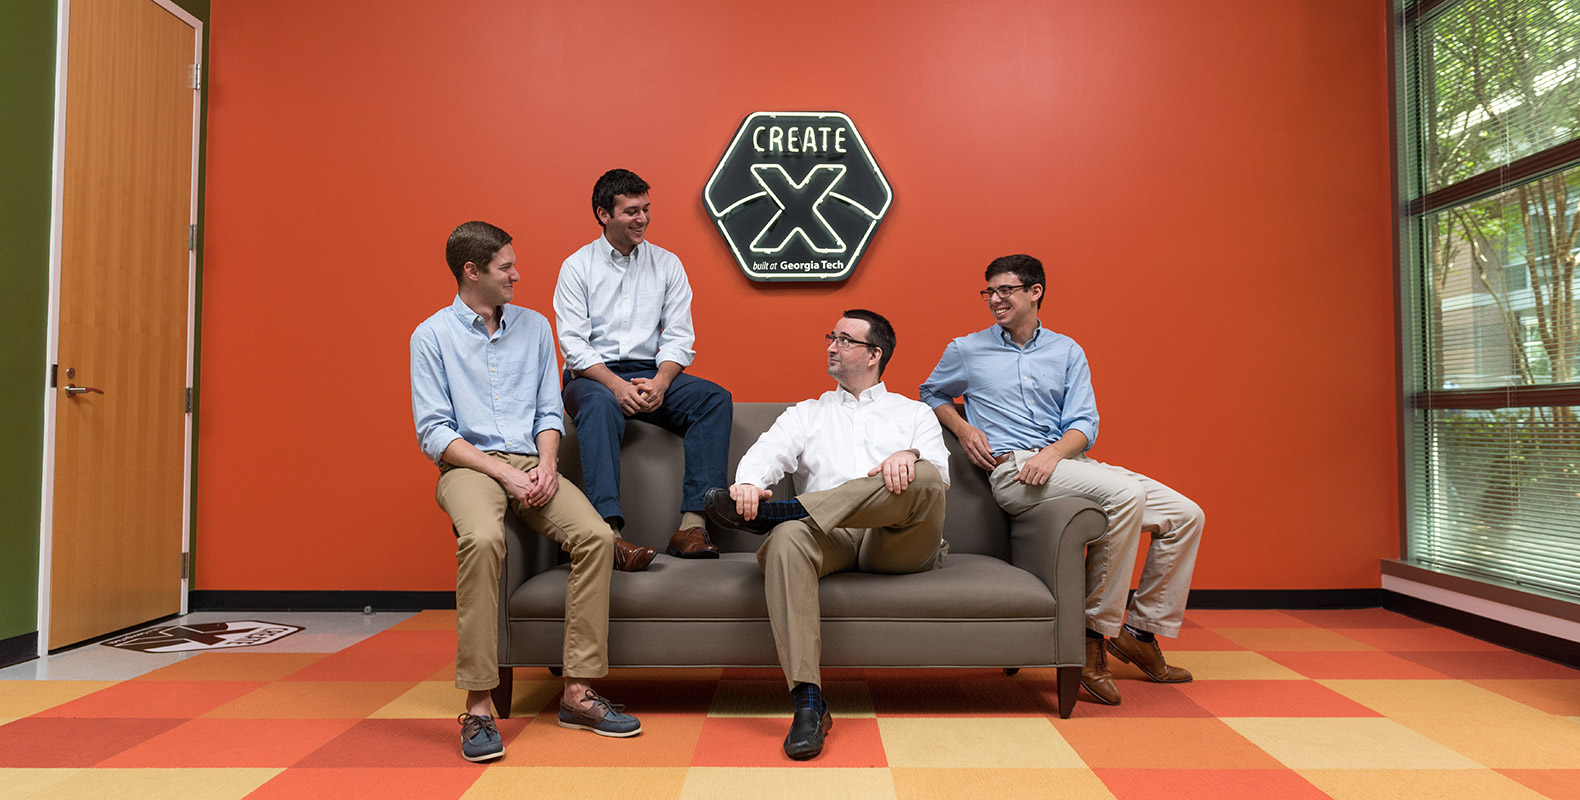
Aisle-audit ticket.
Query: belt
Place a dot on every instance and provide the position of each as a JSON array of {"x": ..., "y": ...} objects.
[{"x": 1003, "y": 458}]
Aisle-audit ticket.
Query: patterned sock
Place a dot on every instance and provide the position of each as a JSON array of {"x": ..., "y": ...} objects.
[{"x": 808, "y": 695}]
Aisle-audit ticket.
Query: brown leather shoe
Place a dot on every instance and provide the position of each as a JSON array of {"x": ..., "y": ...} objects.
[
  {"x": 1148, "y": 656},
  {"x": 1095, "y": 677},
  {"x": 632, "y": 557},
  {"x": 691, "y": 543}
]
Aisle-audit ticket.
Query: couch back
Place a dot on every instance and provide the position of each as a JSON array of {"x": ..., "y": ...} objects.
[{"x": 652, "y": 460}]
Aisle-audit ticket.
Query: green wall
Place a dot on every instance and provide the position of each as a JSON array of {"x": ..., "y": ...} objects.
[{"x": 27, "y": 93}]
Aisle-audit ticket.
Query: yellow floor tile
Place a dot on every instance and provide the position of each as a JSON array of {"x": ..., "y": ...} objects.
[
  {"x": 734, "y": 783},
  {"x": 769, "y": 699},
  {"x": 1346, "y": 743},
  {"x": 161, "y": 784},
  {"x": 1281, "y": 640},
  {"x": 976, "y": 742},
  {"x": 26, "y": 698},
  {"x": 1238, "y": 665},
  {"x": 1492, "y": 729},
  {"x": 999, "y": 784},
  {"x": 28, "y": 783},
  {"x": 431, "y": 699},
  {"x": 1439, "y": 784},
  {"x": 426, "y": 700},
  {"x": 514, "y": 783}
]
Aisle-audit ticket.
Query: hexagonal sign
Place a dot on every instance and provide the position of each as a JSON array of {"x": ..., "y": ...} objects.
[{"x": 797, "y": 196}]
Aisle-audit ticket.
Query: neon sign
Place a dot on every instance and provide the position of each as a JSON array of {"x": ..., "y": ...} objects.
[{"x": 797, "y": 196}]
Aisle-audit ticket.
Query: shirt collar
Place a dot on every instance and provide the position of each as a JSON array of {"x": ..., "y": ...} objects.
[
  {"x": 471, "y": 318},
  {"x": 613, "y": 254},
  {"x": 1003, "y": 335},
  {"x": 871, "y": 394}
]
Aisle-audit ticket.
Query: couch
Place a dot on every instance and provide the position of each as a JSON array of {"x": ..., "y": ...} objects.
[{"x": 1009, "y": 595}]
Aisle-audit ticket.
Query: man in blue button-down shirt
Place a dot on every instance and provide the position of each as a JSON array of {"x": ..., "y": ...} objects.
[
  {"x": 485, "y": 398},
  {"x": 1030, "y": 418},
  {"x": 622, "y": 306}
]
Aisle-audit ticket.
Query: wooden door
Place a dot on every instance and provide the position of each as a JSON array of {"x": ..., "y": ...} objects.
[{"x": 120, "y": 387}]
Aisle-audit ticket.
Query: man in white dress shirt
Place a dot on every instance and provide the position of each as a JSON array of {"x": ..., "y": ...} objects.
[
  {"x": 872, "y": 468},
  {"x": 622, "y": 307}
]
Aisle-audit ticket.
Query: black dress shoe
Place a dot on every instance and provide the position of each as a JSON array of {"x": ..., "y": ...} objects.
[
  {"x": 720, "y": 508},
  {"x": 807, "y": 730}
]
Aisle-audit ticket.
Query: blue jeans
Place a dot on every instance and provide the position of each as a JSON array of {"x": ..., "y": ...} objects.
[{"x": 697, "y": 409}]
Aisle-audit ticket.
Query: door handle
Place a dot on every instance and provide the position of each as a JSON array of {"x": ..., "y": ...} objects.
[{"x": 72, "y": 390}]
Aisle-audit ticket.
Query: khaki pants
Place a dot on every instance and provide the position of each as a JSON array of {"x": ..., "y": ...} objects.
[
  {"x": 476, "y": 504},
  {"x": 858, "y": 525},
  {"x": 1131, "y": 500}
]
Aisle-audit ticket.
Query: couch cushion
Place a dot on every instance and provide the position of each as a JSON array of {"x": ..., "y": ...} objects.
[{"x": 967, "y": 587}]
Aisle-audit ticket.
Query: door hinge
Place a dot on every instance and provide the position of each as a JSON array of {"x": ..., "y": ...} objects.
[
  {"x": 54, "y": 372},
  {"x": 189, "y": 399},
  {"x": 192, "y": 237},
  {"x": 196, "y": 76}
]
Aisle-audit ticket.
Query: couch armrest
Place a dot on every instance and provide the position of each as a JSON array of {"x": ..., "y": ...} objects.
[{"x": 1049, "y": 541}]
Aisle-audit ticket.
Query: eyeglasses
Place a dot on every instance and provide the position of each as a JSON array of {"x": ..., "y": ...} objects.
[
  {"x": 1001, "y": 291},
  {"x": 844, "y": 342}
]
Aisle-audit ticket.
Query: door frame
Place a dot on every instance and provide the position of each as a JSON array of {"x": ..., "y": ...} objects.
[{"x": 52, "y": 347}]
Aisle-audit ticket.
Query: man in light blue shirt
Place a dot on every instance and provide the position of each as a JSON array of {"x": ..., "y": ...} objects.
[
  {"x": 1030, "y": 417},
  {"x": 485, "y": 400},
  {"x": 622, "y": 306}
]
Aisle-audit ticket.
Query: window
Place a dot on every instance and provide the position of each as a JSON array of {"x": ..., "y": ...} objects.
[{"x": 1490, "y": 170}]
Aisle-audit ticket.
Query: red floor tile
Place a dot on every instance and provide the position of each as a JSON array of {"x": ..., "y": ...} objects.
[
  {"x": 232, "y": 743},
  {"x": 1170, "y": 744},
  {"x": 1245, "y": 618},
  {"x": 1272, "y": 699},
  {"x": 1558, "y": 784},
  {"x": 1356, "y": 618},
  {"x": 1356, "y": 665},
  {"x": 1411, "y": 640},
  {"x": 370, "y": 784},
  {"x": 402, "y": 743},
  {"x": 1198, "y": 638},
  {"x": 1207, "y": 784},
  {"x": 666, "y": 740},
  {"x": 759, "y": 742},
  {"x": 1136, "y": 699},
  {"x": 148, "y": 699},
  {"x": 73, "y": 742},
  {"x": 389, "y": 656},
  {"x": 995, "y": 696},
  {"x": 1491, "y": 664}
]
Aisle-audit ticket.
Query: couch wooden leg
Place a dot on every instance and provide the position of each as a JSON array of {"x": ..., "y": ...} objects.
[
  {"x": 1012, "y": 670},
  {"x": 1069, "y": 685},
  {"x": 501, "y": 693},
  {"x": 558, "y": 672}
]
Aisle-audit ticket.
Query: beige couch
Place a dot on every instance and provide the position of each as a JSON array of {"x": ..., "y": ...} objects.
[{"x": 1009, "y": 595}]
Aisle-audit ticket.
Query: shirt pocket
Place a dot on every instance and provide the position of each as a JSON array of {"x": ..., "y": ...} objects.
[{"x": 520, "y": 380}]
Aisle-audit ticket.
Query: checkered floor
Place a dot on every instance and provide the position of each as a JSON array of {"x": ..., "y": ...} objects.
[{"x": 1287, "y": 704}]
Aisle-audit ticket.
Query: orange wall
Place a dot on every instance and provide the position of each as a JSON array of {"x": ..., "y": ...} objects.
[{"x": 1208, "y": 183}]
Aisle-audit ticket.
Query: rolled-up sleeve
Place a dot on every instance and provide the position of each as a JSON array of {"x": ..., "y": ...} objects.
[
  {"x": 549, "y": 413},
  {"x": 948, "y": 380},
  {"x": 431, "y": 408},
  {"x": 572, "y": 316},
  {"x": 676, "y": 338},
  {"x": 1079, "y": 410},
  {"x": 928, "y": 440}
]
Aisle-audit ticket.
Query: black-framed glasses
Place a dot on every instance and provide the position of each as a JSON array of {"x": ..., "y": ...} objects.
[
  {"x": 844, "y": 342},
  {"x": 1001, "y": 291}
]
